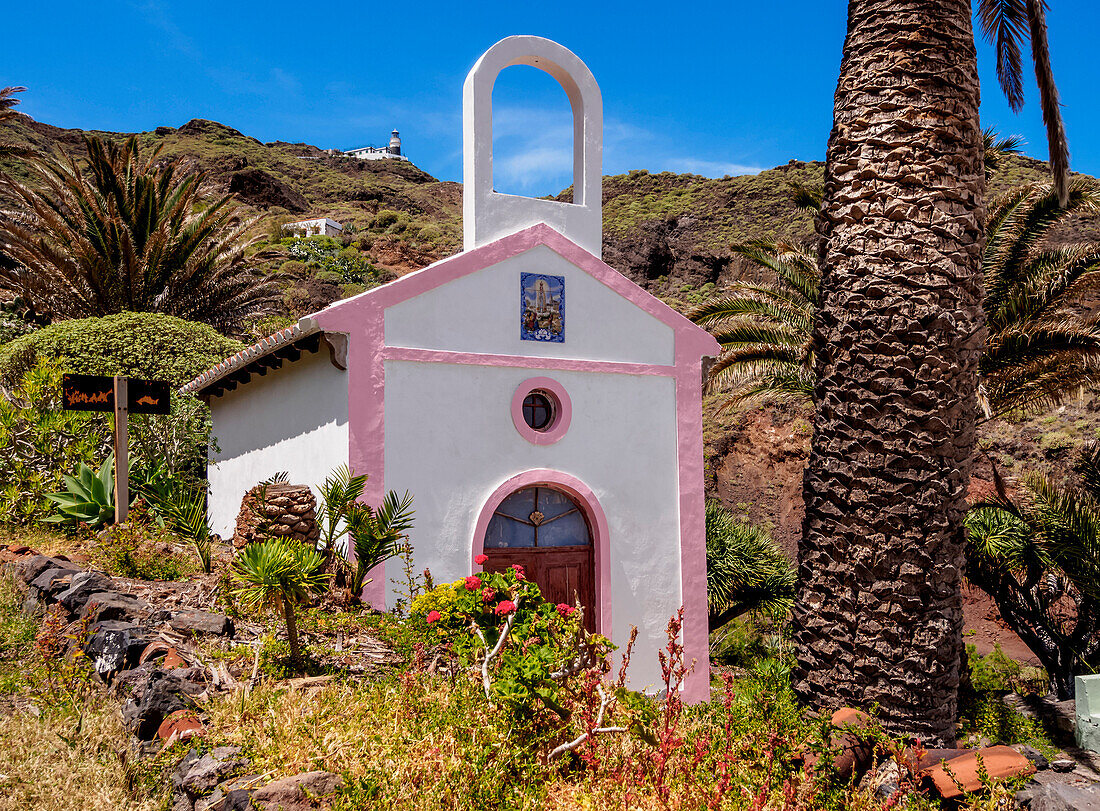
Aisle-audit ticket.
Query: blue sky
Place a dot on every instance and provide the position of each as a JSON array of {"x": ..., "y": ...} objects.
[{"x": 716, "y": 89}]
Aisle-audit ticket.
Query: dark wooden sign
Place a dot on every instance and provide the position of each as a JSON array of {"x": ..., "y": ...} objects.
[{"x": 97, "y": 393}]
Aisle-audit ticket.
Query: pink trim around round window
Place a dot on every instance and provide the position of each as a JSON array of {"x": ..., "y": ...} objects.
[{"x": 563, "y": 410}]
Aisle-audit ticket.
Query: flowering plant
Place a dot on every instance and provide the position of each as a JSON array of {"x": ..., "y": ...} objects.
[{"x": 530, "y": 654}]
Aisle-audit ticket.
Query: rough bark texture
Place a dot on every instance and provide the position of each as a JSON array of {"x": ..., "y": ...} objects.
[
  {"x": 879, "y": 616},
  {"x": 290, "y": 510}
]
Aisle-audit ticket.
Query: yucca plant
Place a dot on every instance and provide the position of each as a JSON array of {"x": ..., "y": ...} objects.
[
  {"x": 746, "y": 571},
  {"x": 88, "y": 497},
  {"x": 277, "y": 574},
  {"x": 376, "y": 535},
  {"x": 130, "y": 232},
  {"x": 1038, "y": 556}
]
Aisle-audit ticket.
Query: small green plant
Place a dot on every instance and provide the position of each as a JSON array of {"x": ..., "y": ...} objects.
[
  {"x": 339, "y": 491},
  {"x": 186, "y": 513},
  {"x": 375, "y": 534},
  {"x": 276, "y": 575},
  {"x": 140, "y": 549},
  {"x": 746, "y": 571},
  {"x": 88, "y": 497}
]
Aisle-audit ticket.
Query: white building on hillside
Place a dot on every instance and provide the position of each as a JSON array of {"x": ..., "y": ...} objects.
[
  {"x": 374, "y": 153},
  {"x": 315, "y": 228}
]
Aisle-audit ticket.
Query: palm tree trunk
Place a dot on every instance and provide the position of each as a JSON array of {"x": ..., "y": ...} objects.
[
  {"x": 879, "y": 612},
  {"x": 291, "y": 629}
]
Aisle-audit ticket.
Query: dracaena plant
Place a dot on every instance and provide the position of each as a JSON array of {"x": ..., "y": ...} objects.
[{"x": 276, "y": 575}]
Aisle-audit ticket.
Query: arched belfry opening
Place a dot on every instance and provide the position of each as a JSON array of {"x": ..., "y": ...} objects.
[
  {"x": 488, "y": 214},
  {"x": 532, "y": 135}
]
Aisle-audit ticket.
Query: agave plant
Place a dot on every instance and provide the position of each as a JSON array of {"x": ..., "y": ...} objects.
[
  {"x": 130, "y": 232},
  {"x": 376, "y": 534},
  {"x": 277, "y": 574},
  {"x": 1038, "y": 556},
  {"x": 88, "y": 497},
  {"x": 746, "y": 571}
]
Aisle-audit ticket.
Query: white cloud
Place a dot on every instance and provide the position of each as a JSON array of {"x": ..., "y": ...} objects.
[{"x": 706, "y": 168}]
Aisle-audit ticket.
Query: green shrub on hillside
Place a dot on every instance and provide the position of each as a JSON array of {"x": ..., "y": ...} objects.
[
  {"x": 149, "y": 345},
  {"x": 39, "y": 443}
]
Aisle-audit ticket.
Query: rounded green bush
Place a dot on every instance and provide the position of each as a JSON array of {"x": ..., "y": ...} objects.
[{"x": 149, "y": 345}]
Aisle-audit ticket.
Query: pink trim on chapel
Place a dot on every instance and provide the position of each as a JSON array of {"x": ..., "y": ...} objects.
[{"x": 362, "y": 318}]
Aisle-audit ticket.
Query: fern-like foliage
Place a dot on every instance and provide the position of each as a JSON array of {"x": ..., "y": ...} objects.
[
  {"x": 1038, "y": 556},
  {"x": 746, "y": 571},
  {"x": 128, "y": 233}
]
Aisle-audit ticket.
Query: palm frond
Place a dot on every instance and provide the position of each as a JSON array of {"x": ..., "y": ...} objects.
[{"x": 1005, "y": 25}]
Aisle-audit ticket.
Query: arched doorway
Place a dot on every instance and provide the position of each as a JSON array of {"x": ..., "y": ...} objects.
[{"x": 546, "y": 531}]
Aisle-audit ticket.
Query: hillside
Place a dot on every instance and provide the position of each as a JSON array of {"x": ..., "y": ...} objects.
[{"x": 669, "y": 233}]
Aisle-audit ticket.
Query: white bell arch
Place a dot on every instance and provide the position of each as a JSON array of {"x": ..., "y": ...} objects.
[{"x": 489, "y": 215}]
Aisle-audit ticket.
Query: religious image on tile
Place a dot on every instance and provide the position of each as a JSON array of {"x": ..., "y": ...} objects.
[{"x": 542, "y": 304}]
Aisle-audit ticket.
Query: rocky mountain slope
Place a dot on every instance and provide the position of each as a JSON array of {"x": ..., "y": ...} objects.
[{"x": 669, "y": 233}]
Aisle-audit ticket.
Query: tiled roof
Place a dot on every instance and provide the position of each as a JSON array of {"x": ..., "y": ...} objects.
[{"x": 260, "y": 349}]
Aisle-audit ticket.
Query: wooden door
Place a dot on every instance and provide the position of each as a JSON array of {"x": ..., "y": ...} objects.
[{"x": 547, "y": 533}]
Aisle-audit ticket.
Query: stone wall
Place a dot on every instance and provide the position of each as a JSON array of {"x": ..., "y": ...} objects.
[{"x": 289, "y": 510}]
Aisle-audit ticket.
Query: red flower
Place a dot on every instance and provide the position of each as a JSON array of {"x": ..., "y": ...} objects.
[
  {"x": 566, "y": 610},
  {"x": 505, "y": 607},
  {"x": 433, "y": 616},
  {"x": 473, "y": 582},
  {"x": 518, "y": 570},
  {"x": 480, "y": 560},
  {"x": 487, "y": 594}
]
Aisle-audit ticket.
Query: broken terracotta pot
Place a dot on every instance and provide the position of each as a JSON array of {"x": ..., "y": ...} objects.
[
  {"x": 180, "y": 725},
  {"x": 960, "y": 774}
]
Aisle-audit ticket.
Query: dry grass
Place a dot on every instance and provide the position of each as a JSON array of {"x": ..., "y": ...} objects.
[{"x": 40, "y": 770}]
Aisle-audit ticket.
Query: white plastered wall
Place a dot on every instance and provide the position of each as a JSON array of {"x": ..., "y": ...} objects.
[
  {"x": 451, "y": 442},
  {"x": 295, "y": 418},
  {"x": 480, "y": 312}
]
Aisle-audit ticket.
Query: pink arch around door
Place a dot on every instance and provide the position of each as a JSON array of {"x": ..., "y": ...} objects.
[{"x": 601, "y": 553}]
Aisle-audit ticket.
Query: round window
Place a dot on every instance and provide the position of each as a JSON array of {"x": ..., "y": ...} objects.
[
  {"x": 538, "y": 410},
  {"x": 541, "y": 410}
]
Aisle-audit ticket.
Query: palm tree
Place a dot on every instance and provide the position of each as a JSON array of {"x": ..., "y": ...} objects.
[
  {"x": 897, "y": 336},
  {"x": 764, "y": 327},
  {"x": 1041, "y": 347},
  {"x": 127, "y": 233},
  {"x": 375, "y": 535},
  {"x": 1007, "y": 23},
  {"x": 746, "y": 571},
  {"x": 8, "y": 101},
  {"x": 1039, "y": 558}
]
